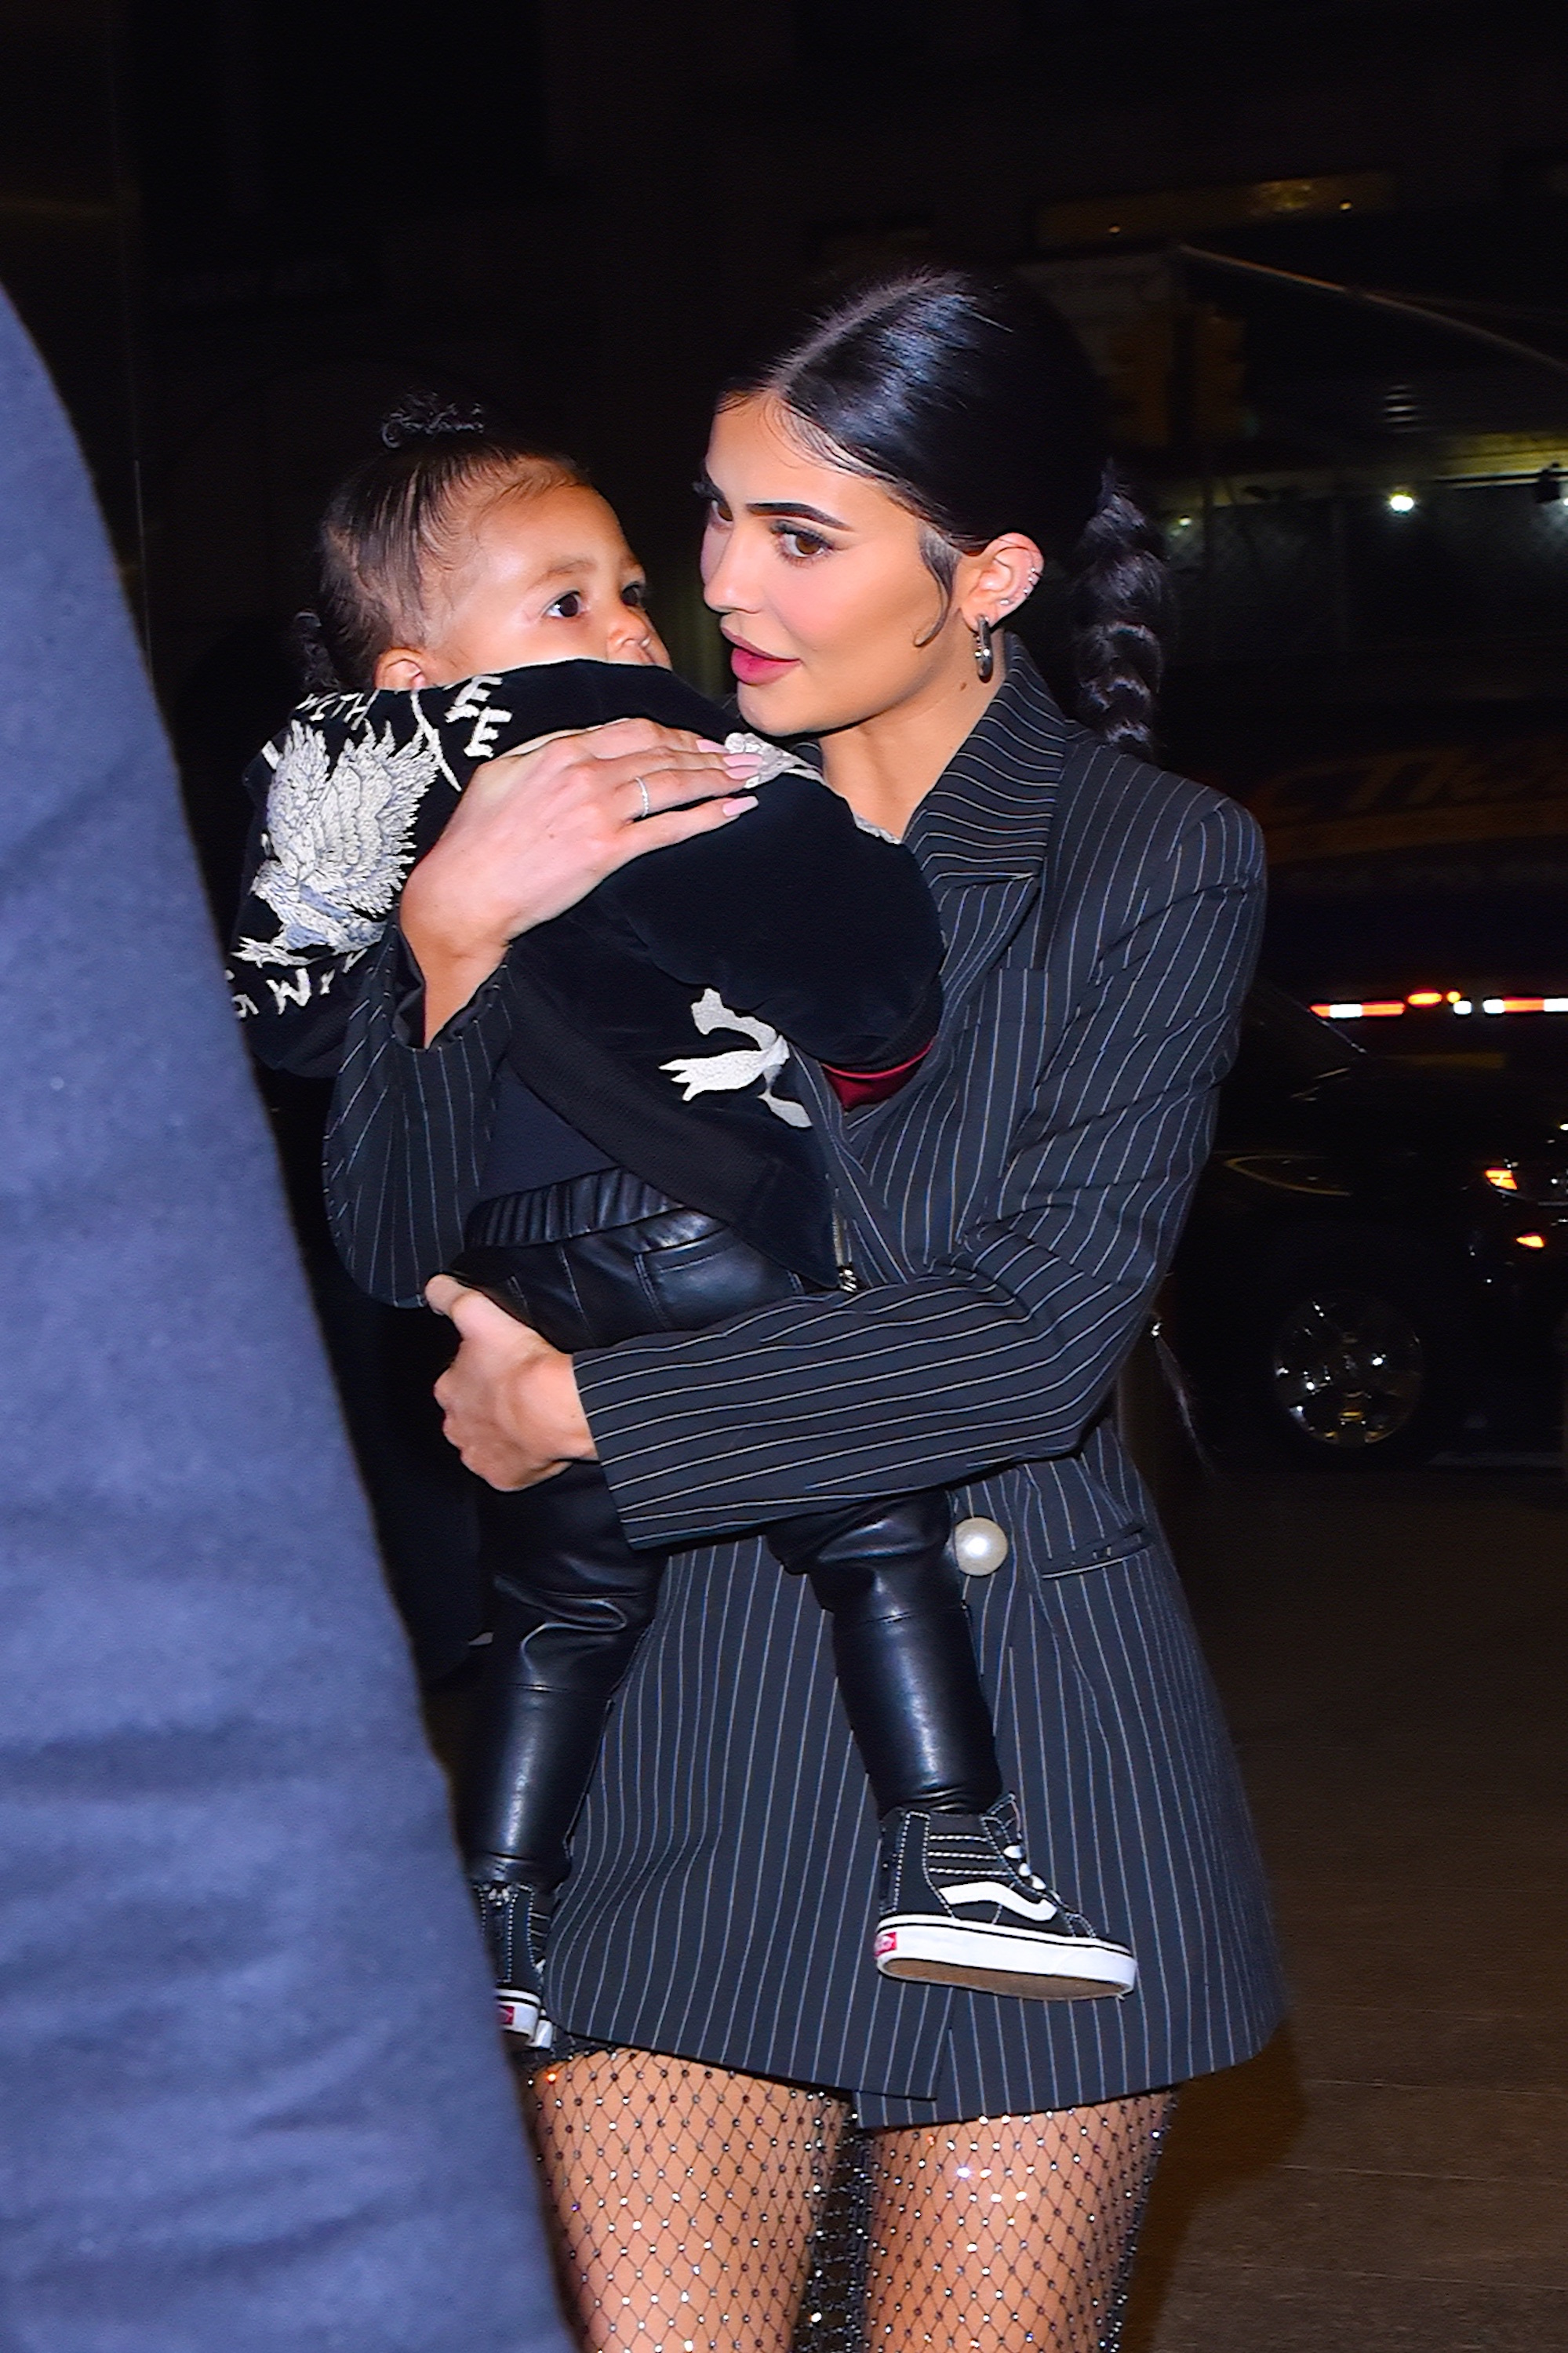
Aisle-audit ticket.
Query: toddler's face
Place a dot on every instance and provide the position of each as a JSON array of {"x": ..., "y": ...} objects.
[{"x": 536, "y": 579}]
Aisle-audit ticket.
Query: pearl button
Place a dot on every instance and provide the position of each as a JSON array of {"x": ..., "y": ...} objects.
[{"x": 980, "y": 1547}]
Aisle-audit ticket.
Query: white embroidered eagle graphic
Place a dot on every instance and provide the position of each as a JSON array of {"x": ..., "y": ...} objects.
[
  {"x": 339, "y": 841},
  {"x": 702, "y": 1074}
]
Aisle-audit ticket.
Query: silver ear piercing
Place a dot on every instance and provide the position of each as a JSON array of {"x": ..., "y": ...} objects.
[{"x": 985, "y": 651}]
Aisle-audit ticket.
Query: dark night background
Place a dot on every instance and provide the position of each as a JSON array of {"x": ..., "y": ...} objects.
[{"x": 238, "y": 229}]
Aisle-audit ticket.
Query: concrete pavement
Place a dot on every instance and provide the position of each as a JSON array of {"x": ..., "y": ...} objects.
[{"x": 1391, "y": 2176}]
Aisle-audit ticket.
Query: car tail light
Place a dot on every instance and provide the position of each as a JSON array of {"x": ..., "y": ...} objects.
[{"x": 1543, "y": 1181}]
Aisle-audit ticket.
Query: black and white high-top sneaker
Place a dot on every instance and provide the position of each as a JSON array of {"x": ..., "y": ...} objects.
[
  {"x": 961, "y": 1907},
  {"x": 515, "y": 1918}
]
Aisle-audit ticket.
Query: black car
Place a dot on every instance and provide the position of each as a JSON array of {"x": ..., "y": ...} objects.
[{"x": 1378, "y": 1253}]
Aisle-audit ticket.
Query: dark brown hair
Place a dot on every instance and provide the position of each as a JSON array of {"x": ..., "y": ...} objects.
[{"x": 389, "y": 521}]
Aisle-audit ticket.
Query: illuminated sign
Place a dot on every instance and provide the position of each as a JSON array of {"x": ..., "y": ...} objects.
[{"x": 1413, "y": 799}]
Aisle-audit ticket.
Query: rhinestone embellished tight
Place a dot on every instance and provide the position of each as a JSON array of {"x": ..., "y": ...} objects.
[
  {"x": 1011, "y": 2234},
  {"x": 698, "y": 2210}
]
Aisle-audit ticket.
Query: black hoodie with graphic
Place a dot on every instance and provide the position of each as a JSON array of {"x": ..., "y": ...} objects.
[{"x": 655, "y": 1018}]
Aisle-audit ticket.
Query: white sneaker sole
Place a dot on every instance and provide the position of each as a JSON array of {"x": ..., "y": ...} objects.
[
  {"x": 983, "y": 1959},
  {"x": 522, "y": 2016}
]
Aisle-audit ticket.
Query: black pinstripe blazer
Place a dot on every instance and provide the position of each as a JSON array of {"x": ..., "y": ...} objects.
[
  {"x": 1016, "y": 1205},
  {"x": 1012, "y": 1211}
]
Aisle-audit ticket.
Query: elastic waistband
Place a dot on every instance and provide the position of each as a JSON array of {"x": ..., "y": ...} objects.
[{"x": 582, "y": 1205}]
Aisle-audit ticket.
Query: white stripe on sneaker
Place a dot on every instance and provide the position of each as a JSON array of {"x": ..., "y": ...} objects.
[{"x": 995, "y": 1891}]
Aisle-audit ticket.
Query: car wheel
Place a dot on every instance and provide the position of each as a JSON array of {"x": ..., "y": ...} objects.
[{"x": 1350, "y": 1366}]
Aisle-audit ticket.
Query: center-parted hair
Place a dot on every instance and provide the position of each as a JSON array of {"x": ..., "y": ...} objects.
[
  {"x": 970, "y": 400},
  {"x": 390, "y": 523}
]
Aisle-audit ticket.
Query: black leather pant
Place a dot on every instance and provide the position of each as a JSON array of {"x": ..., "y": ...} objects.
[{"x": 574, "y": 1598}]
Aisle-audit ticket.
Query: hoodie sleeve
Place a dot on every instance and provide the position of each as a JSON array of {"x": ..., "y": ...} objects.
[{"x": 795, "y": 912}]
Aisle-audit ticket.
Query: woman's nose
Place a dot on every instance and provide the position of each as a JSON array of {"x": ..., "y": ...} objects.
[{"x": 726, "y": 584}]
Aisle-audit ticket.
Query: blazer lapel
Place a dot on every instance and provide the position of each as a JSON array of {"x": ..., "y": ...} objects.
[
  {"x": 983, "y": 832},
  {"x": 981, "y": 836}
]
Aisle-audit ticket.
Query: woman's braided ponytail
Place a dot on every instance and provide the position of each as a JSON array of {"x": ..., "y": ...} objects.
[{"x": 1120, "y": 607}]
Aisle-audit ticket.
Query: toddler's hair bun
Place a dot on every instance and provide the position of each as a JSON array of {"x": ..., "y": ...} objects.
[{"x": 430, "y": 417}]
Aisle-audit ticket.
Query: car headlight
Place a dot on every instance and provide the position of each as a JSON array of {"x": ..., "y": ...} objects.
[{"x": 1541, "y": 1181}]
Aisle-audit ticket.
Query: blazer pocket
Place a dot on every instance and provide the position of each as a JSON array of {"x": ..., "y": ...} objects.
[{"x": 1110, "y": 1553}]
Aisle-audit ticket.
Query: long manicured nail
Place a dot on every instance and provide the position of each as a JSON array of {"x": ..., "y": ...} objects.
[
  {"x": 745, "y": 801},
  {"x": 743, "y": 764}
]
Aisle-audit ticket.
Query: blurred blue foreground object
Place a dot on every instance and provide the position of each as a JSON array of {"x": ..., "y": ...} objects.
[{"x": 252, "y": 2098}]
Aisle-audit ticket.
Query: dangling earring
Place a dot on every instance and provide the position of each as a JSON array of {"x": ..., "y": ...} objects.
[{"x": 985, "y": 652}]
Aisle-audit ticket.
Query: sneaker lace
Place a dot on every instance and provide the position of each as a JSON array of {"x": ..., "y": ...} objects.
[{"x": 1015, "y": 1855}]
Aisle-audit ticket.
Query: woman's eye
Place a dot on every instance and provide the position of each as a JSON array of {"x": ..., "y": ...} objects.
[
  {"x": 716, "y": 510},
  {"x": 799, "y": 546},
  {"x": 566, "y": 608}
]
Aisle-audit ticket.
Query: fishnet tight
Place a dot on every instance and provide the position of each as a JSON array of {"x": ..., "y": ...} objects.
[
  {"x": 685, "y": 2200},
  {"x": 1011, "y": 2231},
  {"x": 694, "y": 2207}
]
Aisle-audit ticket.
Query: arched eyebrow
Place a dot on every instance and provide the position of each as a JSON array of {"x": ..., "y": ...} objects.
[{"x": 710, "y": 490}]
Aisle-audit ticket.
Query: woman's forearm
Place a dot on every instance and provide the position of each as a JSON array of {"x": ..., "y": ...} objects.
[
  {"x": 408, "y": 1129},
  {"x": 927, "y": 1384},
  {"x": 454, "y": 960}
]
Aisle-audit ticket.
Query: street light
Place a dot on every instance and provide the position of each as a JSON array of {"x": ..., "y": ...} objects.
[{"x": 1401, "y": 503}]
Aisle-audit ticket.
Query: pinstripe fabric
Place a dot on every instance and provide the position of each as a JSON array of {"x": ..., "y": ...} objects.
[
  {"x": 1016, "y": 1205},
  {"x": 723, "y": 1897},
  {"x": 409, "y": 1130},
  {"x": 1014, "y": 1209}
]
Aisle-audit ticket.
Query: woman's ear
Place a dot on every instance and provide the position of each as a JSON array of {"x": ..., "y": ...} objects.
[
  {"x": 402, "y": 667},
  {"x": 994, "y": 582}
]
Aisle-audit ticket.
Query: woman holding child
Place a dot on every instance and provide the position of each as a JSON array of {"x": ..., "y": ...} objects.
[{"x": 881, "y": 497}]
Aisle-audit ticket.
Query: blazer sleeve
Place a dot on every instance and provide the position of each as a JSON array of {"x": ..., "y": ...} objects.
[
  {"x": 409, "y": 1127},
  {"x": 1006, "y": 1351}
]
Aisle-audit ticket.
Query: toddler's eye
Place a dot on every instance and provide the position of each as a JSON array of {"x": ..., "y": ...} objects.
[
  {"x": 635, "y": 593},
  {"x": 569, "y": 606}
]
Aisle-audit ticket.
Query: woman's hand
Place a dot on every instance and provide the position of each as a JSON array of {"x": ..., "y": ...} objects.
[
  {"x": 510, "y": 1400},
  {"x": 535, "y": 831}
]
